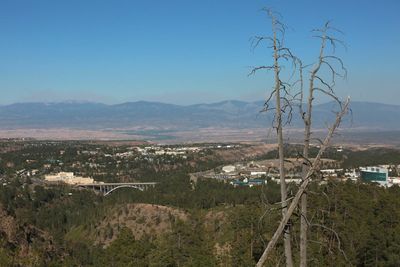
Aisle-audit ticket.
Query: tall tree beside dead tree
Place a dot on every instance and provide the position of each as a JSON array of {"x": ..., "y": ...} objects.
[{"x": 317, "y": 83}]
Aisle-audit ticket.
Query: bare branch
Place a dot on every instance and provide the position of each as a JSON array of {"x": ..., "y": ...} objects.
[
  {"x": 255, "y": 69},
  {"x": 330, "y": 94},
  {"x": 341, "y": 64},
  {"x": 336, "y": 236},
  {"x": 256, "y": 40},
  {"x": 329, "y": 87}
]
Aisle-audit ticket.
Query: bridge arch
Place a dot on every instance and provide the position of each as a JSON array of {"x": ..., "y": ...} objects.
[{"x": 124, "y": 186}]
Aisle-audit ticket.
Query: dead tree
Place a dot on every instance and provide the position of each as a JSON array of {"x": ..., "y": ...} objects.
[
  {"x": 282, "y": 98},
  {"x": 311, "y": 171},
  {"x": 317, "y": 82}
]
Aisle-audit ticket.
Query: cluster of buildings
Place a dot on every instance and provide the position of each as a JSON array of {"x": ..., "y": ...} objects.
[
  {"x": 250, "y": 174},
  {"x": 248, "y": 182},
  {"x": 379, "y": 175},
  {"x": 68, "y": 178},
  {"x": 180, "y": 150},
  {"x": 370, "y": 174},
  {"x": 173, "y": 151},
  {"x": 253, "y": 174},
  {"x": 252, "y": 169}
]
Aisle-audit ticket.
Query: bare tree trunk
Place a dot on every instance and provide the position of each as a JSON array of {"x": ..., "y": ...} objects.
[
  {"x": 307, "y": 135},
  {"x": 302, "y": 187},
  {"x": 278, "y": 117},
  {"x": 251, "y": 241},
  {"x": 303, "y": 228}
]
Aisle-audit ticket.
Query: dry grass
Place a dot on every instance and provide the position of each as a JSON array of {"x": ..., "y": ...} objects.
[{"x": 141, "y": 219}]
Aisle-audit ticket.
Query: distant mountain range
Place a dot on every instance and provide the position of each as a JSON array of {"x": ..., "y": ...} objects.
[{"x": 153, "y": 115}]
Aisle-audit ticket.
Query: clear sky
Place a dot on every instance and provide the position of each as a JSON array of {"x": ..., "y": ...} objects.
[{"x": 182, "y": 51}]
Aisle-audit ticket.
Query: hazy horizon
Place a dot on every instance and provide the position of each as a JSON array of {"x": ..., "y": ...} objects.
[{"x": 78, "y": 101}]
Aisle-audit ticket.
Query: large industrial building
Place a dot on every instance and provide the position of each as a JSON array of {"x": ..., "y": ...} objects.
[
  {"x": 68, "y": 178},
  {"x": 374, "y": 174}
]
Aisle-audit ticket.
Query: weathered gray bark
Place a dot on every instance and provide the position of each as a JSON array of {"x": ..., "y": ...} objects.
[
  {"x": 283, "y": 109},
  {"x": 278, "y": 117},
  {"x": 307, "y": 117},
  {"x": 303, "y": 186}
]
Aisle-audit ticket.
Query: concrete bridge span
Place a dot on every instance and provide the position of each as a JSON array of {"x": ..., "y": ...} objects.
[{"x": 108, "y": 188}]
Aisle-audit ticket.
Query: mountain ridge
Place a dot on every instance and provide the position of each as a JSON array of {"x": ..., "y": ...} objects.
[{"x": 229, "y": 113}]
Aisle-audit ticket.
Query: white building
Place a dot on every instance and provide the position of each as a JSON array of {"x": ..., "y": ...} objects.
[
  {"x": 258, "y": 173},
  {"x": 394, "y": 181},
  {"x": 68, "y": 178},
  {"x": 228, "y": 168},
  {"x": 292, "y": 180}
]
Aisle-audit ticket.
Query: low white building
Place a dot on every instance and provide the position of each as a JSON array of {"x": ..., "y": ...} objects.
[
  {"x": 351, "y": 174},
  {"x": 258, "y": 173},
  {"x": 394, "y": 181},
  {"x": 292, "y": 180},
  {"x": 228, "y": 168},
  {"x": 68, "y": 178}
]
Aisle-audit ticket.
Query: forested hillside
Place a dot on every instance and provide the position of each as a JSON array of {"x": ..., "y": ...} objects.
[{"x": 212, "y": 224}]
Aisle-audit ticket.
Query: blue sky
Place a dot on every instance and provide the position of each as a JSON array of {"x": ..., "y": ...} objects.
[{"x": 181, "y": 51}]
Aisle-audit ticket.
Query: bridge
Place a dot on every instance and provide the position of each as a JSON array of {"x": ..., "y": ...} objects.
[{"x": 108, "y": 188}]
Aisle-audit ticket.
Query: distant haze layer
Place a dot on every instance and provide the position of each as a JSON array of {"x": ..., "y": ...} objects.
[{"x": 160, "y": 121}]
